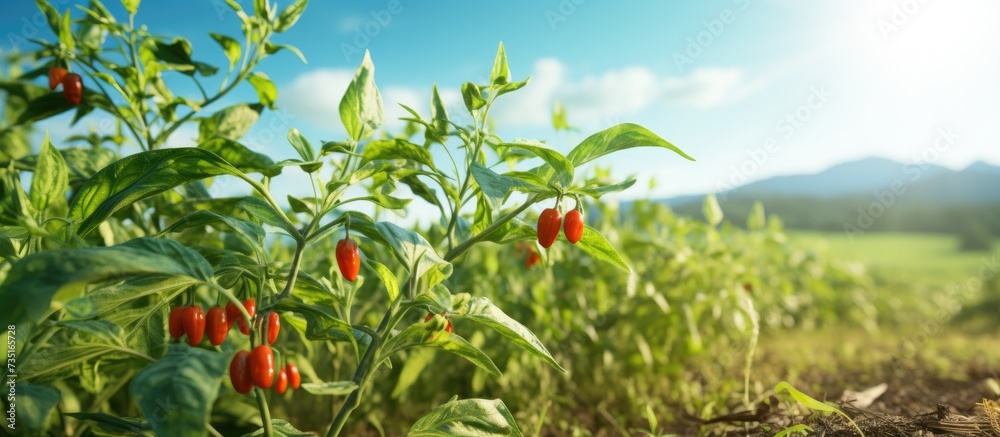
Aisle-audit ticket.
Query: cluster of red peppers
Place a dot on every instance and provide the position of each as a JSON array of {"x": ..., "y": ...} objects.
[
  {"x": 247, "y": 368},
  {"x": 72, "y": 84},
  {"x": 549, "y": 223}
]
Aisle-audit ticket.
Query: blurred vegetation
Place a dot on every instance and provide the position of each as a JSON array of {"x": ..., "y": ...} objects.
[{"x": 676, "y": 334}]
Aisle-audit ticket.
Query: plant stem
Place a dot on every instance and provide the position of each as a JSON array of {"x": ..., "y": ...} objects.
[
  {"x": 265, "y": 413},
  {"x": 467, "y": 244},
  {"x": 293, "y": 271},
  {"x": 363, "y": 373}
]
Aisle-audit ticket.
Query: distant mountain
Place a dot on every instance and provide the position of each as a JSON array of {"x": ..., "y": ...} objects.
[
  {"x": 840, "y": 180},
  {"x": 897, "y": 196}
]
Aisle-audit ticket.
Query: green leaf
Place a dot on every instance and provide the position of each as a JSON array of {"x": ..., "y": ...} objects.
[
  {"x": 501, "y": 73},
  {"x": 409, "y": 247},
  {"x": 558, "y": 162},
  {"x": 290, "y": 15},
  {"x": 335, "y": 147},
  {"x": 481, "y": 310},
  {"x": 813, "y": 404},
  {"x": 266, "y": 213},
  {"x": 795, "y": 430},
  {"x": 81, "y": 308},
  {"x": 511, "y": 87},
  {"x": 361, "y": 107},
  {"x": 46, "y": 106},
  {"x": 176, "y": 393},
  {"x": 51, "y": 180},
  {"x": 241, "y": 156},
  {"x": 322, "y": 322},
  {"x": 385, "y": 201},
  {"x": 272, "y": 48},
  {"x": 69, "y": 270},
  {"x": 112, "y": 424},
  {"x": 131, "y": 5},
  {"x": 511, "y": 231},
  {"x": 472, "y": 97},
  {"x": 395, "y": 149},
  {"x": 804, "y": 399},
  {"x": 499, "y": 186},
  {"x": 372, "y": 168},
  {"x": 414, "y": 365},
  {"x": 387, "y": 277},
  {"x": 139, "y": 176},
  {"x": 437, "y": 128},
  {"x": 419, "y": 334},
  {"x": 595, "y": 245},
  {"x": 34, "y": 404},
  {"x": 615, "y": 138},
  {"x": 757, "y": 219},
  {"x": 281, "y": 428},
  {"x": 177, "y": 56},
  {"x": 559, "y": 118},
  {"x": 420, "y": 189},
  {"x": 55, "y": 363},
  {"x": 267, "y": 93},
  {"x": 231, "y": 123},
  {"x": 600, "y": 190},
  {"x": 712, "y": 210},
  {"x": 230, "y": 47},
  {"x": 301, "y": 145},
  {"x": 338, "y": 388},
  {"x": 467, "y": 417},
  {"x": 300, "y": 206},
  {"x": 100, "y": 330},
  {"x": 51, "y": 15},
  {"x": 252, "y": 232},
  {"x": 66, "y": 37}
]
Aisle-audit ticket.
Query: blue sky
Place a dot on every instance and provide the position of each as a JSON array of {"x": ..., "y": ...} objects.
[{"x": 751, "y": 88}]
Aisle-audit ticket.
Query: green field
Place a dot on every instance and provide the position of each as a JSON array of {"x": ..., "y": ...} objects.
[{"x": 931, "y": 258}]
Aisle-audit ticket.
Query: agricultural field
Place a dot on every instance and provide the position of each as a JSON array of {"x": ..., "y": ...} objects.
[{"x": 186, "y": 251}]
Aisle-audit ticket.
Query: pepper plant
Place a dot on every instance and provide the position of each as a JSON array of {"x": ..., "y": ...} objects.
[{"x": 101, "y": 249}]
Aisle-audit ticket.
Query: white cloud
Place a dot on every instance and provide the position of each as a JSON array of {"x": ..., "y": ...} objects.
[
  {"x": 595, "y": 99},
  {"x": 591, "y": 100},
  {"x": 315, "y": 96}
]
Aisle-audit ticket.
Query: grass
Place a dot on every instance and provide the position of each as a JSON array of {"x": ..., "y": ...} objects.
[{"x": 929, "y": 258}]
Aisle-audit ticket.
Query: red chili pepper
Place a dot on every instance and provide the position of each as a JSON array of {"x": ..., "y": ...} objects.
[
  {"x": 232, "y": 314},
  {"x": 216, "y": 325},
  {"x": 56, "y": 75},
  {"x": 194, "y": 324},
  {"x": 251, "y": 307},
  {"x": 239, "y": 372},
  {"x": 573, "y": 226},
  {"x": 73, "y": 88},
  {"x": 282, "y": 383},
  {"x": 262, "y": 366},
  {"x": 348, "y": 259},
  {"x": 177, "y": 322},
  {"x": 533, "y": 258},
  {"x": 548, "y": 226},
  {"x": 273, "y": 326},
  {"x": 294, "y": 379}
]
